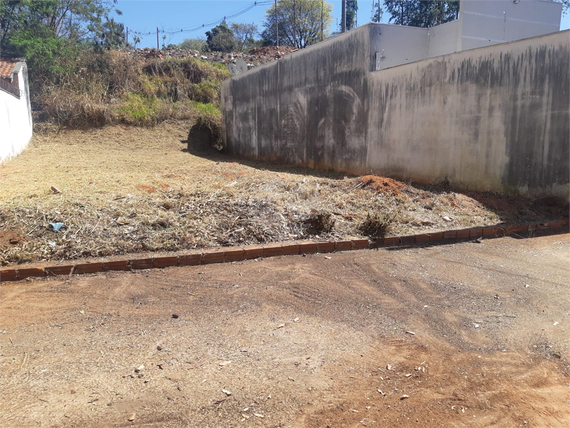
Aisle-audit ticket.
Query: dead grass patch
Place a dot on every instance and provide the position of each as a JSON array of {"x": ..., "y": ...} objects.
[{"x": 127, "y": 189}]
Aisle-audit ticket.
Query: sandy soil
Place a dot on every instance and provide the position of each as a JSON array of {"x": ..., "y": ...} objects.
[{"x": 463, "y": 335}]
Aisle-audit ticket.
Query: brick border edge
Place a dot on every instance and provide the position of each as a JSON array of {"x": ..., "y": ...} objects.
[{"x": 233, "y": 254}]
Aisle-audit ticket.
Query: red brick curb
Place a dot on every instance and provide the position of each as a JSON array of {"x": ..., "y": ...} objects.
[{"x": 233, "y": 254}]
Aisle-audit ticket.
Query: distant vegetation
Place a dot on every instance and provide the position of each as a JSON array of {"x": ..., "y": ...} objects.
[
  {"x": 79, "y": 79},
  {"x": 116, "y": 87}
]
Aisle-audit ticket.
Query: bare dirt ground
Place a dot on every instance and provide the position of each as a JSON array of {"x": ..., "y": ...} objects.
[
  {"x": 120, "y": 189},
  {"x": 463, "y": 335}
]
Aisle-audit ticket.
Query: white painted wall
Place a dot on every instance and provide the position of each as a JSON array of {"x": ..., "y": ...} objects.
[
  {"x": 15, "y": 118},
  {"x": 481, "y": 23},
  {"x": 397, "y": 44},
  {"x": 444, "y": 39},
  {"x": 485, "y": 23}
]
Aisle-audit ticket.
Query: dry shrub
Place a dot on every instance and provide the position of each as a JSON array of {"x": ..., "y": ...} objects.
[
  {"x": 112, "y": 86},
  {"x": 376, "y": 225},
  {"x": 319, "y": 222}
]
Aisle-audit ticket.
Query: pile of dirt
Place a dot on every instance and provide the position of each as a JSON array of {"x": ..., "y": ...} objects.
[{"x": 383, "y": 184}]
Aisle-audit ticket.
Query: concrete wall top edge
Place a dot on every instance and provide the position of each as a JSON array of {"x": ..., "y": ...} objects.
[
  {"x": 309, "y": 49},
  {"x": 468, "y": 52}
]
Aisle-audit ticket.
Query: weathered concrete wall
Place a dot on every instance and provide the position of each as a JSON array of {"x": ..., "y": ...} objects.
[
  {"x": 15, "y": 118},
  {"x": 495, "y": 118},
  {"x": 306, "y": 108},
  {"x": 491, "y": 118}
]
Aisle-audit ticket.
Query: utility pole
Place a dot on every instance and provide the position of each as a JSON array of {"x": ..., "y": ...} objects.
[
  {"x": 157, "y": 41},
  {"x": 276, "y": 24},
  {"x": 127, "y": 36},
  {"x": 343, "y": 28},
  {"x": 322, "y": 20},
  {"x": 295, "y": 23}
]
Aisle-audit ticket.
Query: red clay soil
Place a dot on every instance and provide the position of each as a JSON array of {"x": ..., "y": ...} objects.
[{"x": 384, "y": 184}]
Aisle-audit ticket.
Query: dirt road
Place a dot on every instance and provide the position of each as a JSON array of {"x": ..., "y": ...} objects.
[{"x": 465, "y": 335}]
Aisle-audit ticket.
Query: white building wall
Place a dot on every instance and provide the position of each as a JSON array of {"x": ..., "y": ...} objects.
[
  {"x": 444, "y": 39},
  {"x": 396, "y": 45},
  {"x": 485, "y": 23},
  {"x": 15, "y": 118},
  {"x": 481, "y": 23}
]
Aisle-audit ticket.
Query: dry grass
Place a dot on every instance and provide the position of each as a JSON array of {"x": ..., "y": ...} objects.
[{"x": 127, "y": 189}]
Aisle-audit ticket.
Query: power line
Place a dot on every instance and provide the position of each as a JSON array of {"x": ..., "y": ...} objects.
[{"x": 208, "y": 24}]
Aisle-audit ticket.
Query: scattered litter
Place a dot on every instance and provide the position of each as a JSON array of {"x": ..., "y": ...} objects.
[
  {"x": 295, "y": 319},
  {"x": 380, "y": 392},
  {"x": 81, "y": 311},
  {"x": 328, "y": 258},
  {"x": 476, "y": 325},
  {"x": 556, "y": 323},
  {"x": 132, "y": 418},
  {"x": 55, "y": 190},
  {"x": 175, "y": 316},
  {"x": 446, "y": 218},
  {"x": 409, "y": 375},
  {"x": 411, "y": 332},
  {"x": 139, "y": 369},
  {"x": 281, "y": 326},
  {"x": 388, "y": 367},
  {"x": 258, "y": 415},
  {"x": 403, "y": 397},
  {"x": 159, "y": 348},
  {"x": 526, "y": 286},
  {"x": 225, "y": 363},
  {"x": 225, "y": 391},
  {"x": 56, "y": 226},
  {"x": 478, "y": 240}
]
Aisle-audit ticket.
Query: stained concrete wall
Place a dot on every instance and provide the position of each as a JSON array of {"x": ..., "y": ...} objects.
[
  {"x": 495, "y": 118},
  {"x": 15, "y": 117}
]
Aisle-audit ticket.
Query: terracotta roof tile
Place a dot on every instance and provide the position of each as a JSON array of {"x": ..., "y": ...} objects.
[{"x": 7, "y": 67}]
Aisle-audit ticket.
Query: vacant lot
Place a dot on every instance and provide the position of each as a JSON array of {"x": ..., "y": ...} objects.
[
  {"x": 122, "y": 189},
  {"x": 466, "y": 335}
]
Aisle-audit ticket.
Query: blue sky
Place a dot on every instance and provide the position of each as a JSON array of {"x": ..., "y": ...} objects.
[
  {"x": 170, "y": 16},
  {"x": 145, "y": 16}
]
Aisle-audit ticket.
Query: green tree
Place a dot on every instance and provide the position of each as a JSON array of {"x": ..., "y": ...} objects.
[
  {"x": 194, "y": 44},
  {"x": 244, "y": 35},
  {"x": 422, "y": 13},
  {"x": 220, "y": 38},
  {"x": 351, "y": 9},
  {"x": 377, "y": 17},
  {"x": 300, "y": 22},
  {"x": 111, "y": 35}
]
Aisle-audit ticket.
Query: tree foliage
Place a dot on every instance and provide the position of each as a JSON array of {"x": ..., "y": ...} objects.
[
  {"x": 378, "y": 12},
  {"x": 49, "y": 33},
  {"x": 194, "y": 44},
  {"x": 351, "y": 9},
  {"x": 244, "y": 35},
  {"x": 422, "y": 13},
  {"x": 300, "y": 22},
  {"x": 220, "y": 38}
]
